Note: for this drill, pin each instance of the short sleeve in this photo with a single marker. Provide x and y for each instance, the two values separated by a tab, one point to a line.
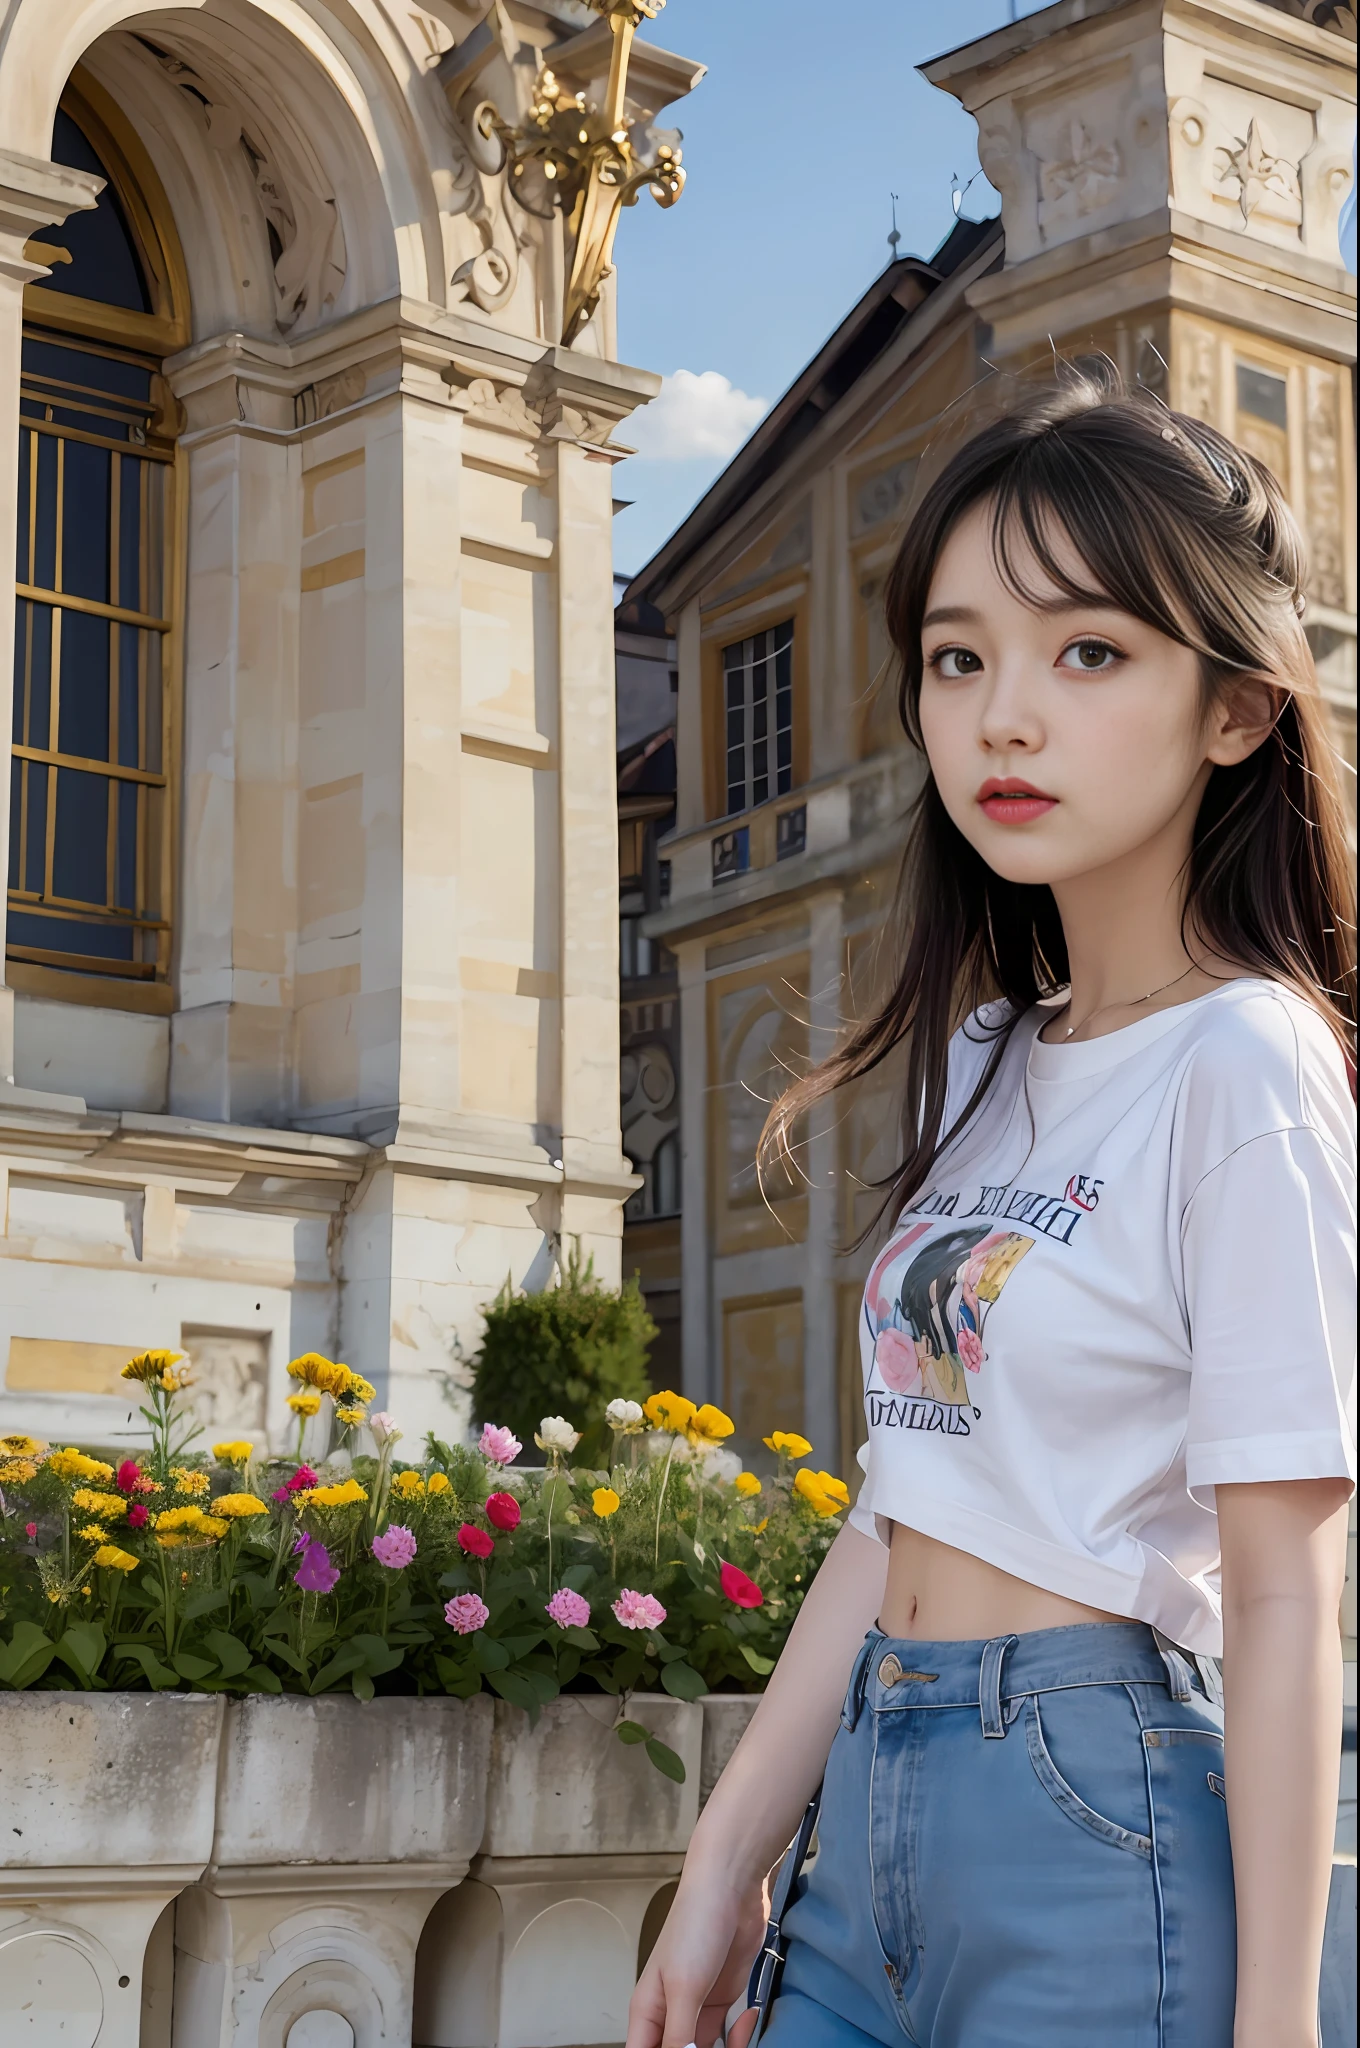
1268	1243
862	1516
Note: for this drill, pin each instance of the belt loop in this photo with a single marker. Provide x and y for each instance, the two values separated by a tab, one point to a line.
854	1698
1180	1677
989	1684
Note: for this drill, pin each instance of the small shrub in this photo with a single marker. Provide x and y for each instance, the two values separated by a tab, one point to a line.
568	1351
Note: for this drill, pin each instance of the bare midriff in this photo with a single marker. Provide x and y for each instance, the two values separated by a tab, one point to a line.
941	1595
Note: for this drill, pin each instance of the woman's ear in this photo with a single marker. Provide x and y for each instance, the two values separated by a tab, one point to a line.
1243	716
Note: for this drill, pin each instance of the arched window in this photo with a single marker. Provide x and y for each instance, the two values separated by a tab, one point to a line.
89	875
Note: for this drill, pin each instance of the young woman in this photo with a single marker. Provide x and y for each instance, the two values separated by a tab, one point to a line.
1108	1347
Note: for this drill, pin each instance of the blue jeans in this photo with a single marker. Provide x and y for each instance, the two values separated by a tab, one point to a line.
1023	1844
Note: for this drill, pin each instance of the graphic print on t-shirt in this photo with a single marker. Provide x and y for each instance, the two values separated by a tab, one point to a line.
926	1305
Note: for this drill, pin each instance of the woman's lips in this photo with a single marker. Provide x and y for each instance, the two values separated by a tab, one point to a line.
1013	803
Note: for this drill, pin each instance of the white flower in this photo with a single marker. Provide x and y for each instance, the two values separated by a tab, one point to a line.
625	1416
555	1433
720	1464
384	1427
660	1445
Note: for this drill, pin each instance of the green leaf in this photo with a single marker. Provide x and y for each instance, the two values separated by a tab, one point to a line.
206	1601
379	1657
158	1675
82	1649
513	1686
28	1655
351	1658
230	1652
289	1656
631	1732
763	1666
488	1655
263	1679
583	1638
361	1685
683	1682
192	1668
666	1760
459	1679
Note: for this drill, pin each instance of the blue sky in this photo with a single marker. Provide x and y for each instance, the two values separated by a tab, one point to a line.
808	119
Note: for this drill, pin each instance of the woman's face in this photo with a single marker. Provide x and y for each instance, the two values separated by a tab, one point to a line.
1061	740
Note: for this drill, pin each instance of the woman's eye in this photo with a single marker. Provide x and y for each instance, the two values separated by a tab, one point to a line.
956	661
1089	655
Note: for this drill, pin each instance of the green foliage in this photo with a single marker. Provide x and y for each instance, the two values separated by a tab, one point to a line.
568	1351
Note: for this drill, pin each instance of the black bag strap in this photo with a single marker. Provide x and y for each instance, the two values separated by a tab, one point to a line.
769	1964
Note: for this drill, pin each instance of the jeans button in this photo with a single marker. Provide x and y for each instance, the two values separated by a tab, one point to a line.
889	1669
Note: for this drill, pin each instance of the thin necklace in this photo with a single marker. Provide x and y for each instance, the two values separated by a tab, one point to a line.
1135	1004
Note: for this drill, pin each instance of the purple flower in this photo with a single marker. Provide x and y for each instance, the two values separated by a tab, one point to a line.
395	1547
466	1612
501	1446
316	1573
638	1610
568	1609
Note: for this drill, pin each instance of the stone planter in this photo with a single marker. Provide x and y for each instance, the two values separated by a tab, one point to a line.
339	1825
108	1813
539	1948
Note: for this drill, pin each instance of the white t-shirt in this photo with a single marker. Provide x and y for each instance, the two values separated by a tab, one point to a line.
1129	1280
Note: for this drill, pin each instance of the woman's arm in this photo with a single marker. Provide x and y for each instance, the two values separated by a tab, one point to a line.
1284	1562
699	1965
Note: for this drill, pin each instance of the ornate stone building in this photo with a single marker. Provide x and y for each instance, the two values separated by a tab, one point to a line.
309	1026
1171	174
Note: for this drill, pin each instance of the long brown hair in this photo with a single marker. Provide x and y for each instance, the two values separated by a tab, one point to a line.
1187	532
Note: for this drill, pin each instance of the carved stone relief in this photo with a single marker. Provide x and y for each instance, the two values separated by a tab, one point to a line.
329	395
1198	372
1252	171
1087	175
885	496
502	406
1325	516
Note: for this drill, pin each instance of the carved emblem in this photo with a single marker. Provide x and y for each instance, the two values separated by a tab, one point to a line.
1266	182
1090	173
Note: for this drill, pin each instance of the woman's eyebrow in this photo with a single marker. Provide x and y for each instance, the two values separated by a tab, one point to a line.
950	615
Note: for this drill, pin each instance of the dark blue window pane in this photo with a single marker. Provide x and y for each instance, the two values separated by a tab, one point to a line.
16	768
104	263
69	935
35	825
125	846
131	479
83	719
85	522
45	553
21	525
80	860
49	360
129	638
32	657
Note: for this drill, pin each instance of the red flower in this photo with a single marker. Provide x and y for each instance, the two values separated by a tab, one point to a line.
127	1475
502	1511
302	1478
138	1516
475	1541
740	1590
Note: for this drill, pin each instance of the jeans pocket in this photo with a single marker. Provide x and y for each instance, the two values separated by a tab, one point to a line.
1069	1801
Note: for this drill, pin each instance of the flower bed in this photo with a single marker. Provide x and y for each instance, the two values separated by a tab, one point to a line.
235	1572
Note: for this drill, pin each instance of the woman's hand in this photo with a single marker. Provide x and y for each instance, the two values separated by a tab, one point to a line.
699	1967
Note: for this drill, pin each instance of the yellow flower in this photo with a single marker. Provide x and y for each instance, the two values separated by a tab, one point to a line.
110	1507
353	1418
708	1425
410	1485
669	1411
155	1368
347	1494
747	1485
788	1444
763	1523
17	1471
238	1506
323	1373
210	1526
439	1482
115	1560
304	1404
605	1502
92	1533
170	1542
234	1453
823	1494
179	1518
360	1389
21	1446
71	1464
187	1481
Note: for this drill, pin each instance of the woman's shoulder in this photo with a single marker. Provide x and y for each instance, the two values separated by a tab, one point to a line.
1258	1057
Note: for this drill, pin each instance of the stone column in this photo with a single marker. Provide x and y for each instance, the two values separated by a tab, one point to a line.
701	1354
826	949
34	194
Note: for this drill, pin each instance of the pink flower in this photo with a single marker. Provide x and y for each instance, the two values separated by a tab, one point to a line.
301	1479
476	1542
568	1609
395	1548
503	1511
501	1446
638	1610
970	1349
316	1573
127	1475
466	1613
740	1590
31	1528
138	1516
895	1357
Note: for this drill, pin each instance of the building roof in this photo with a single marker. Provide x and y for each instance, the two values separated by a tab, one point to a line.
861	338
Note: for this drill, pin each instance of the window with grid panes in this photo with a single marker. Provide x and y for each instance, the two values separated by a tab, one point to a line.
758	710
88	809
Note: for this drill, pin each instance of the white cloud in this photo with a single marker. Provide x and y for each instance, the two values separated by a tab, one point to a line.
695	415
